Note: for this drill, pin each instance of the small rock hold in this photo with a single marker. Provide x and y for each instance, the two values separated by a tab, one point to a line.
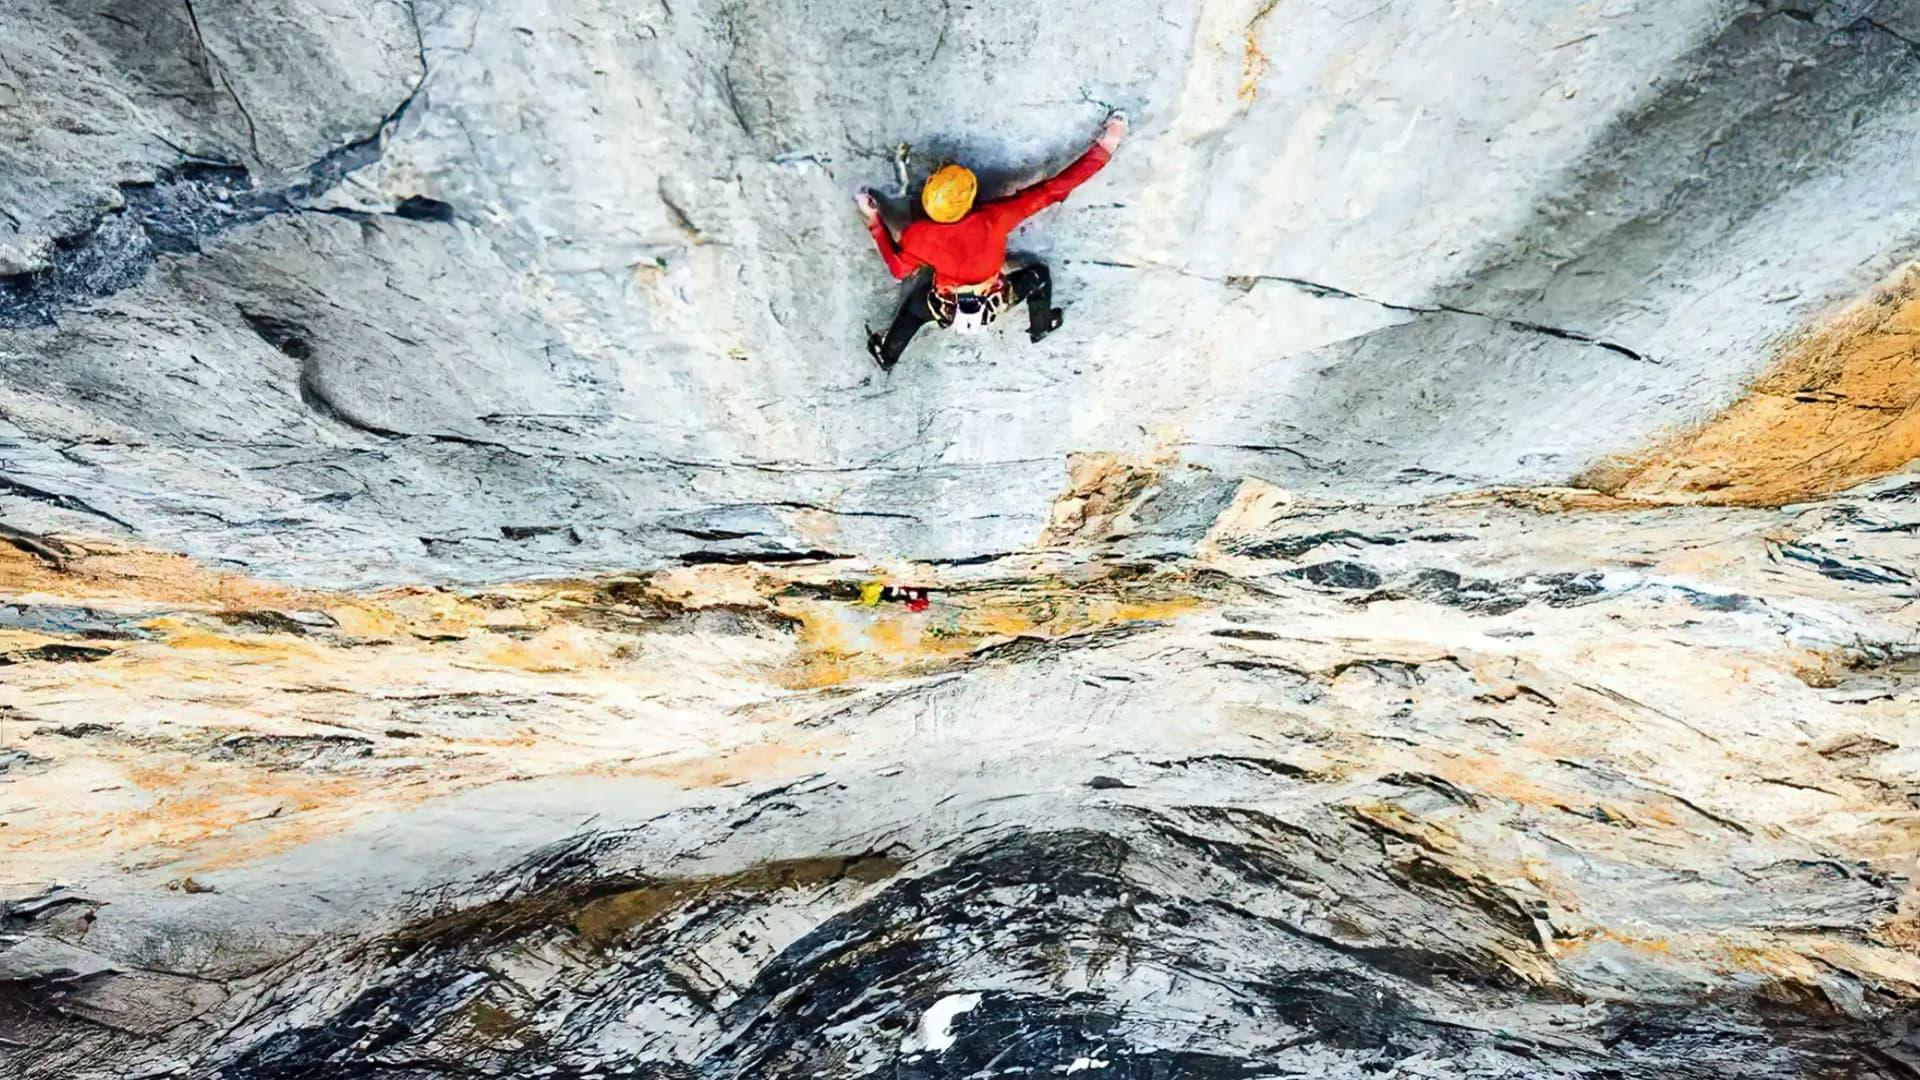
421	208
297	623
1337	575
55	654
15	761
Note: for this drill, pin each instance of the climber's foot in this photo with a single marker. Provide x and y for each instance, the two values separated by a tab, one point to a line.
877	348
1054	319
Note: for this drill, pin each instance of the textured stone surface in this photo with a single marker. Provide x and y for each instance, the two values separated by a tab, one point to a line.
438	472
622	294
1474	788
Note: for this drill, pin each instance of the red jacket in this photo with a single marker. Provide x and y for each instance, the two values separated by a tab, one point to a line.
971	251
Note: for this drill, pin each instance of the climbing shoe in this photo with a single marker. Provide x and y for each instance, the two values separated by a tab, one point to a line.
1054	319
877	348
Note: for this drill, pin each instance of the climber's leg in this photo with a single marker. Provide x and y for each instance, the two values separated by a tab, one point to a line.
1034	285
915	312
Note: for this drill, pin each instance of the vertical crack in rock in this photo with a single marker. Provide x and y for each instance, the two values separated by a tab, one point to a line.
217	71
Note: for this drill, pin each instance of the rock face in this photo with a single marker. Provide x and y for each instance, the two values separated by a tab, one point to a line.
1444	605
343	290
1468	789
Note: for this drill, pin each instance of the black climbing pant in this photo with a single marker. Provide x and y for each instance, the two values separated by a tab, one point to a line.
1034	284
916	311
1030	284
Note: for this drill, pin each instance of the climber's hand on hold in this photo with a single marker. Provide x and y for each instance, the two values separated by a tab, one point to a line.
1112	132
869	206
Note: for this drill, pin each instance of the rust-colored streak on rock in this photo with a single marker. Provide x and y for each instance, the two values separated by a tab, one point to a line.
1101	489
604	921
243	718
1841	407
1254	59
105	570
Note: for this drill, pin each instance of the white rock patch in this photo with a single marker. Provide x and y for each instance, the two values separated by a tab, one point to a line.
936	1025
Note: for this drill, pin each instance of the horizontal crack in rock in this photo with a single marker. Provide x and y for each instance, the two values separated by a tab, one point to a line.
10	486
1323	291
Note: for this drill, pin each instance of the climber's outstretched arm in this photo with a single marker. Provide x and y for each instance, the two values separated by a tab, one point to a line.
899	263
1022	205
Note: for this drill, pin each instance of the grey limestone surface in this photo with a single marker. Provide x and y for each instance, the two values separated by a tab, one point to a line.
357	293
341	290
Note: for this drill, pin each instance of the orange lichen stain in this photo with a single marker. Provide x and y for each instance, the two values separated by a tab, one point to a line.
444	613
1798	965
117	577
1254	61
189	805
604	921
15	640
768	759
1842	406
1485	774
215	662
367	620
1741	958
1652	946
1431	833
550	651
304	824
495	1025
841	641
1256	506
1547	500
1900	932
1724	956
751	762
105	570
178	634
709	585
1101	488
524	739
1819	670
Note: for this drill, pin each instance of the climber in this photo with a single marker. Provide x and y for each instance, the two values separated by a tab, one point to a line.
966	247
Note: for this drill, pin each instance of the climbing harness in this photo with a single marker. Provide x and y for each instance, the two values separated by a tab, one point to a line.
971	309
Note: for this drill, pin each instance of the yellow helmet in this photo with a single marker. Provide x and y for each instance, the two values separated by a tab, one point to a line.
949	193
